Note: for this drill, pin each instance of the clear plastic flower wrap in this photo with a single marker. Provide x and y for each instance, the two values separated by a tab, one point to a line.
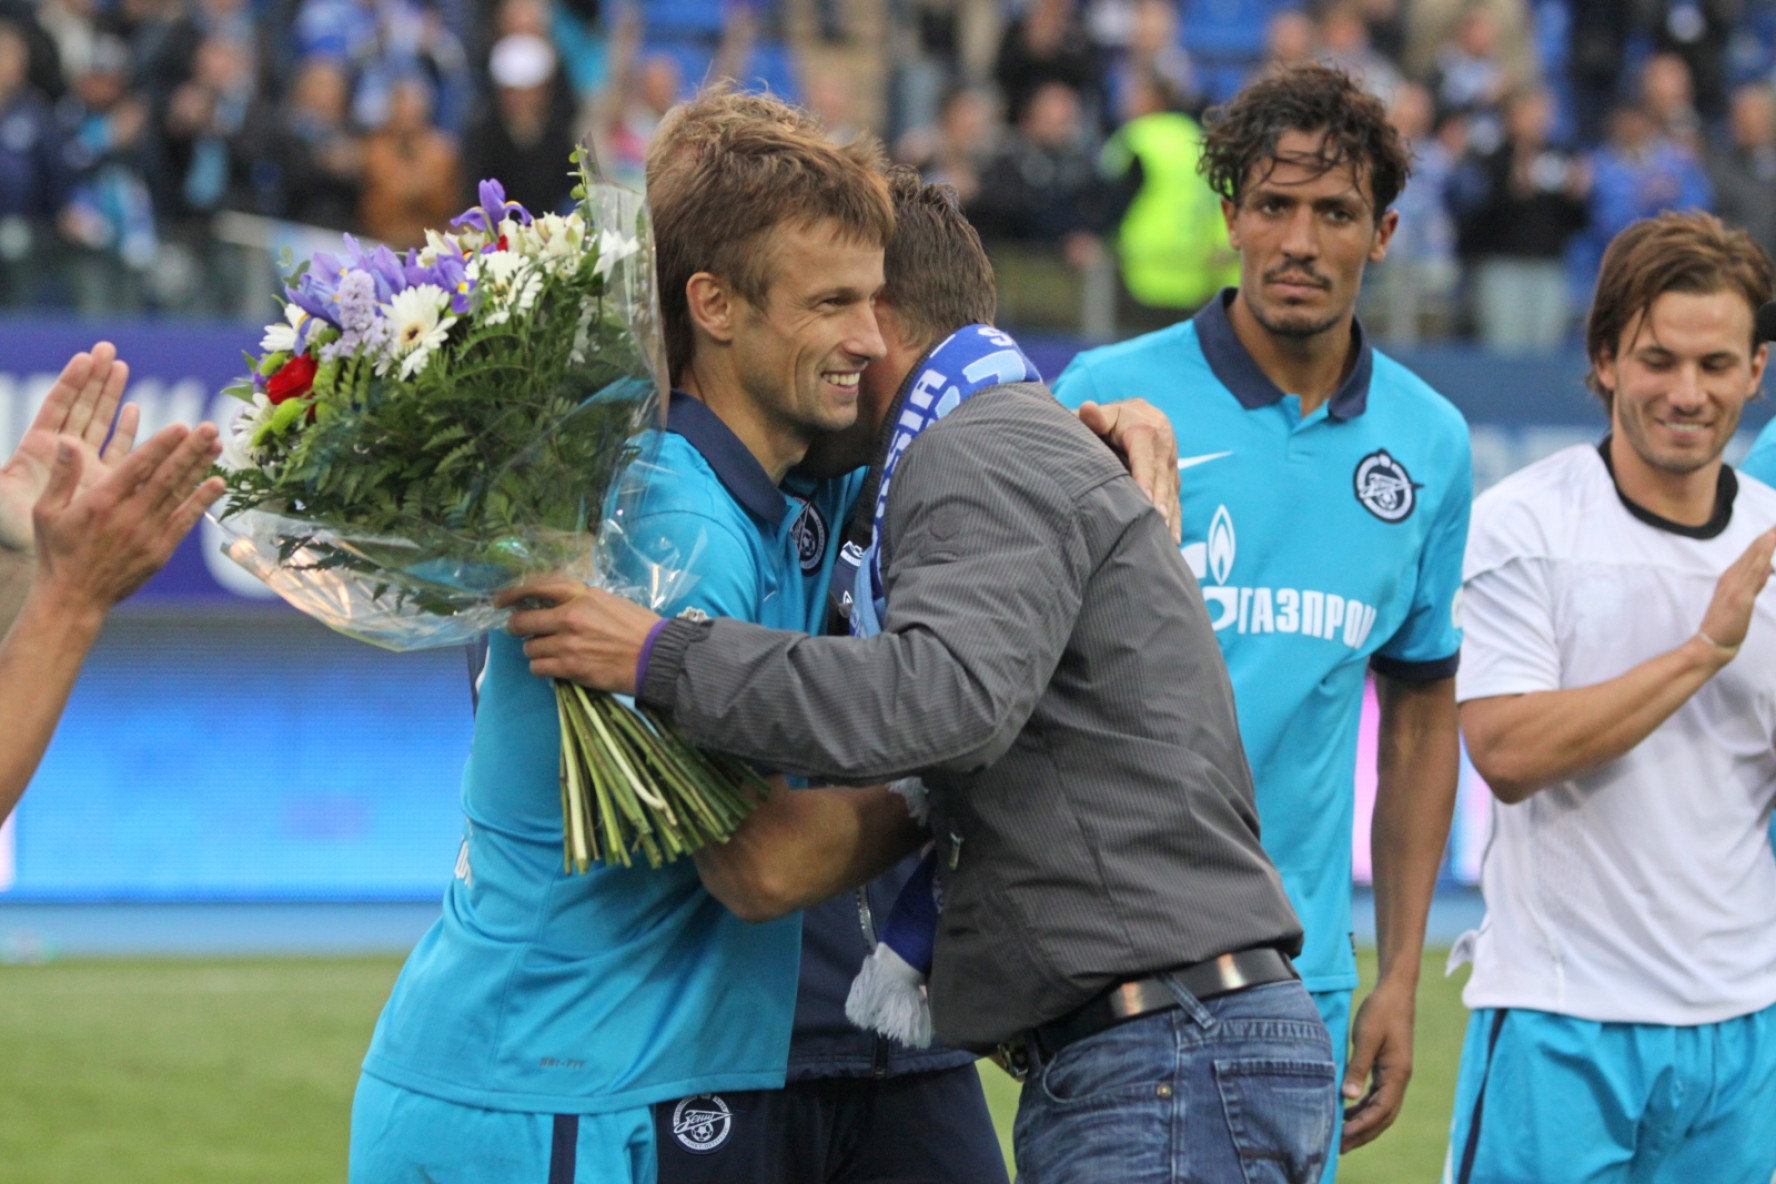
425	430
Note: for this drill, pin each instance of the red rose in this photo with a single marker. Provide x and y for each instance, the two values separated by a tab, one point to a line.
503	244
293	379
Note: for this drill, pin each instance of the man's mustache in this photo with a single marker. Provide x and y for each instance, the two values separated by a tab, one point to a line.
1297	275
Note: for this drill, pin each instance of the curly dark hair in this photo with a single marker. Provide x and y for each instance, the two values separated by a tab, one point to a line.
1241	135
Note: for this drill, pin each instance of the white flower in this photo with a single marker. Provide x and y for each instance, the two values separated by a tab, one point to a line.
281	339
508	283
612	249
519	239
416	328
237	448
560	241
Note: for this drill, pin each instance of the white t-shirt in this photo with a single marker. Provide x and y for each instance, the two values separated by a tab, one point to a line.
1645	890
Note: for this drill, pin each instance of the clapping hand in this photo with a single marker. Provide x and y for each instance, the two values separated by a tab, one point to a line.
97	545
78	411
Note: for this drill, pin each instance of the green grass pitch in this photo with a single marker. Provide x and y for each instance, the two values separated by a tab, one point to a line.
227	1072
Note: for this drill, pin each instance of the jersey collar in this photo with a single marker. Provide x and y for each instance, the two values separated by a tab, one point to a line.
1236	370
1725	490
735	467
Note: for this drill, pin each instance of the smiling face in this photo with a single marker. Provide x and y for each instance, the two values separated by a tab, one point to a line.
798	354
1304	234
1680	378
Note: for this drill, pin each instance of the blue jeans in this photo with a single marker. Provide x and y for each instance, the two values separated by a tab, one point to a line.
1240	1088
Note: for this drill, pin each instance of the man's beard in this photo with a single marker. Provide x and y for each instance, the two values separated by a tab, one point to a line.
1635	429
1298	331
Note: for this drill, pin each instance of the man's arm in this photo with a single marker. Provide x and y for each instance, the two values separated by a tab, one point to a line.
987	571
93	549
79	410
1417	769
1521	744
803	846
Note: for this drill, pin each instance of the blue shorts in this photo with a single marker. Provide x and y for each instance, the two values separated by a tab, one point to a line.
1335	1009
402	1137
1542	1096
930	1127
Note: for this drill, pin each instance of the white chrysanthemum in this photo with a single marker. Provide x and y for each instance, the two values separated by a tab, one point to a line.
612	249
416	327
281	339
237	448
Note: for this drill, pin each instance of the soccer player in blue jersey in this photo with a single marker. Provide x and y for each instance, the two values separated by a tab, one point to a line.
1325	491
538	1021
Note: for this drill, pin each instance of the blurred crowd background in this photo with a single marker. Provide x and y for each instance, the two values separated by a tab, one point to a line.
154	152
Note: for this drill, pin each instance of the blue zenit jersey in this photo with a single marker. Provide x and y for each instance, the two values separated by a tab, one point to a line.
1760	462
545	991
1324	545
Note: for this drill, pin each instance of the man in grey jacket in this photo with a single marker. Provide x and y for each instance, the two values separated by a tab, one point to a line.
1046	665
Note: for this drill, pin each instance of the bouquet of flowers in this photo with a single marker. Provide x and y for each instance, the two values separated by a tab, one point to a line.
423	430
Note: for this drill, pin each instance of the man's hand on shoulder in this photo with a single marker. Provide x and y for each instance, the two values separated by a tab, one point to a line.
584	635
1143	437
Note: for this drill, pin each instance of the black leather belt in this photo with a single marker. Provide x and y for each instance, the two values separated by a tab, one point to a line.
1145	996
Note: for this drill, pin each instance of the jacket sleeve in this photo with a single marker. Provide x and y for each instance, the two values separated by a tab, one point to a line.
984	574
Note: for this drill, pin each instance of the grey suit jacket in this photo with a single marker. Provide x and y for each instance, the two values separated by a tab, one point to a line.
1048	667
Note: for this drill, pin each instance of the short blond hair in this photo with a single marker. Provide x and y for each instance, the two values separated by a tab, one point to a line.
724	170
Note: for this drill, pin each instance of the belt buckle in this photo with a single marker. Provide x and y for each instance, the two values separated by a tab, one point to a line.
1014	1057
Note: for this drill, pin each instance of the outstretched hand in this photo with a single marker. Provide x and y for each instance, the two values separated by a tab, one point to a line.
580	634
78	412
1729	613
1142	436
97	545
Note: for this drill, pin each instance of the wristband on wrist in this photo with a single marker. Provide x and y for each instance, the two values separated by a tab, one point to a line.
647	648
1728	650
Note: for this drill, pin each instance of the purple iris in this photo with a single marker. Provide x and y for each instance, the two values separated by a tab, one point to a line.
381	263
493	209
450	272
313	293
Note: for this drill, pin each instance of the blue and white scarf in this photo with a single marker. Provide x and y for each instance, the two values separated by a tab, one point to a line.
888	995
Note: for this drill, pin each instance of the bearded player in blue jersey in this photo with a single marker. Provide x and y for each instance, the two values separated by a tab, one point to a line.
1325	491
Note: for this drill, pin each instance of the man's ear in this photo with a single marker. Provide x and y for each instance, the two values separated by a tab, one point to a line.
711	306
1604	367
1228	210
1384	234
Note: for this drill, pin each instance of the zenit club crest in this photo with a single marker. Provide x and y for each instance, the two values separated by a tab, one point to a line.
1384	487
809	533
702	1124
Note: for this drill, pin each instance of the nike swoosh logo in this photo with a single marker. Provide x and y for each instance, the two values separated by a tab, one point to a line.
1185	462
